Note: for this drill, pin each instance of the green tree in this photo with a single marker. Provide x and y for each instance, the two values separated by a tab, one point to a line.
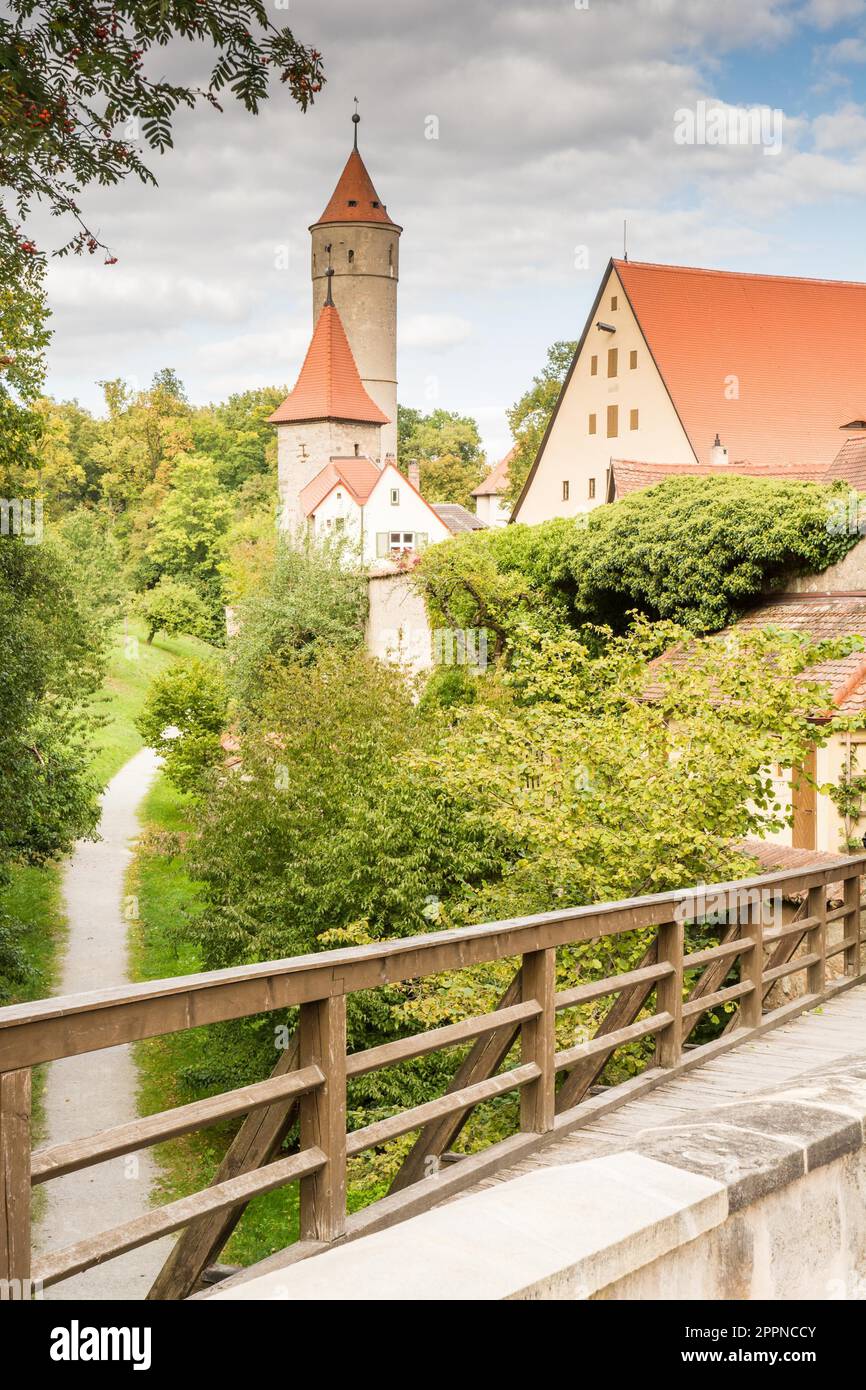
188	531
312	601
173	606
448	448
77	87
694	550
24	337
236	434
52	659
528	418
183	717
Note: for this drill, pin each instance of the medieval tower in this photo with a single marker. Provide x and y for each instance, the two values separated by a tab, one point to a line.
344	403
357	239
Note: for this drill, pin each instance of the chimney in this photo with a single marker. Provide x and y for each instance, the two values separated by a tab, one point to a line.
718	453
413	473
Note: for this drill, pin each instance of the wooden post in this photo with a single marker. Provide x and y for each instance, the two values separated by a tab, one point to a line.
322	1036
751	1008
14	1182
816	940
851	924
538	1041
669	994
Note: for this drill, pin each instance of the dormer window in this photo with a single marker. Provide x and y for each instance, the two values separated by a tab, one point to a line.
375	202
353	202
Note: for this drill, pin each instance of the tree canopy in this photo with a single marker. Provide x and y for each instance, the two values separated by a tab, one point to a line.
693	550
528	417
78	94
448	448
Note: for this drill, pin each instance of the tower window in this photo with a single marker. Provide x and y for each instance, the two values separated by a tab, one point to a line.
632	358
592	424
592	487
375	202
612	421
612	360
565	489
633	420
351	257
353	202
395	497
593	365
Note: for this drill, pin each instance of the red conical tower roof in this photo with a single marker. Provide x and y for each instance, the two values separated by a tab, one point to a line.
328	386
355	199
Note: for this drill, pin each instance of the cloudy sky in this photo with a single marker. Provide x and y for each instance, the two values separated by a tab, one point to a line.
556	121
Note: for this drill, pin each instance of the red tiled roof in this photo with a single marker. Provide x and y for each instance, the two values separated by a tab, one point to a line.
797	347
328	386
823	617
494	484
355	199
632	475
358	475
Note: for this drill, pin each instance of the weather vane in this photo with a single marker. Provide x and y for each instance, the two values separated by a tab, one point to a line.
356	121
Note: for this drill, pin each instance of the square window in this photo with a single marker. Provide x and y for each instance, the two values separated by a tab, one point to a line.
632	358
395	497
565	490
593	365
633	420
592	424
612	360
612	421
592	487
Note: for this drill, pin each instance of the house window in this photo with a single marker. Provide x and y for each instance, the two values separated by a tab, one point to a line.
592	487
614	302
401	541
565	490
612	421
593	365
592	424
395	497
633	419
340	523
612	359
632	358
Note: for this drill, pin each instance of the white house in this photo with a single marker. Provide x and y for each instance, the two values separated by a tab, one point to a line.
490	504
373	505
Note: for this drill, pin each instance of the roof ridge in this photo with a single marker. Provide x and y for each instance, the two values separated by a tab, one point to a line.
735	274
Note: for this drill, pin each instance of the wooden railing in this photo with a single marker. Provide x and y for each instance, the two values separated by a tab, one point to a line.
309	1080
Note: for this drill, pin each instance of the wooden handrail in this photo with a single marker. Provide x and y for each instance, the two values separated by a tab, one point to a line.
310	1078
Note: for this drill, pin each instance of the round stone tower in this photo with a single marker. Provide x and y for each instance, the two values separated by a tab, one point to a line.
356	238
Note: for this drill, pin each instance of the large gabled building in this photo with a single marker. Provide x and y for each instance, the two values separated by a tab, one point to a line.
687	370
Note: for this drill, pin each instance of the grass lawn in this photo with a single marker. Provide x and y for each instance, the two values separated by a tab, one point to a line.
34	896
166	894
132	666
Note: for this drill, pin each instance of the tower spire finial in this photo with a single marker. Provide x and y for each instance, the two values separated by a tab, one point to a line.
356	121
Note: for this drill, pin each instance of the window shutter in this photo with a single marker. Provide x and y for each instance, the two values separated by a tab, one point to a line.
422	538
382	548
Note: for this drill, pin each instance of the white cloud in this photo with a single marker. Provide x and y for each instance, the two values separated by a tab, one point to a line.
435	332
824	14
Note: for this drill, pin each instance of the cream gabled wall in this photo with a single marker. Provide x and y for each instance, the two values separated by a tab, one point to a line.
571	453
